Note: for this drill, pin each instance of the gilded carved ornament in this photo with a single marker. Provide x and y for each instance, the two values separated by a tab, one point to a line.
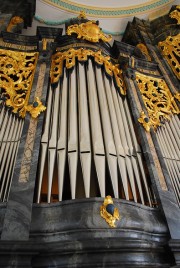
13	22
89	31
16	77
109	212
177	96
144	50
171	50
36	108
175	14
82	15
44	43
81	54
158	100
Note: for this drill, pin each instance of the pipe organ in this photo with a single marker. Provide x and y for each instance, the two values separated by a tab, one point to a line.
89	145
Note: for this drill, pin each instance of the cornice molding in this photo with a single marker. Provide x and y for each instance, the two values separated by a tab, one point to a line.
108	12
60	22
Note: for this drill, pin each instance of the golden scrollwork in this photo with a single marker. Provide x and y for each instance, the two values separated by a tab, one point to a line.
81	54
16	76
109	212
13	22
158	100
144	51
176	14
171	50
89	31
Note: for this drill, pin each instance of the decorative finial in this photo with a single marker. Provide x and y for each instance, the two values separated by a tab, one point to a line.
109	212
82	15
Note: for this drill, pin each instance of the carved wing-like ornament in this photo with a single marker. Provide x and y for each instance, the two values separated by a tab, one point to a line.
89	31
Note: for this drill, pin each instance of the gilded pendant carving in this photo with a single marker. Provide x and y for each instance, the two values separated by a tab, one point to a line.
109	212
36	108
171	50
81	54
89	31
144	120
16	76
175	14
158	100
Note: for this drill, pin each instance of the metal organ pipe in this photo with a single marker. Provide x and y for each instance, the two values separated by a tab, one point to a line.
62	135
96	129
44	143
73	131
84	129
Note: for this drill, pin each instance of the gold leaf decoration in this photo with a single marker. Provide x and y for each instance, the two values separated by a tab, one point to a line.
82	15
144	120
13	22
81	54
36	108
177	96
144	51
88	31
109	212
16	76
158	100
171	50
175	14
